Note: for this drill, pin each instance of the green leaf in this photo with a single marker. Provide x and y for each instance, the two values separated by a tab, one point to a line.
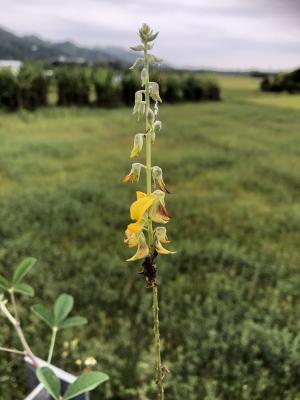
24	289
4	284
50	381
62	308
85	383
73	321
23	269
44	314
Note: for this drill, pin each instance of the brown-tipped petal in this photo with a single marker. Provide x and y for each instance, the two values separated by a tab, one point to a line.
161	185
164	212
161	250
127	179
160	233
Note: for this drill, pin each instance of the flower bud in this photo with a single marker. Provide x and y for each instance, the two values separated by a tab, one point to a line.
158	179
150	116
134	174
157	126
139	61
144	76
154	91
139	47
154	59
160	233
152	37
137	144
146	33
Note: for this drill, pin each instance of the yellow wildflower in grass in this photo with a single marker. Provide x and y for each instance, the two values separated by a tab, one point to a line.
64	354
78	362
74	343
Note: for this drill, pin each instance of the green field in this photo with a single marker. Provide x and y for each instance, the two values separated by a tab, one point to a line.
229	297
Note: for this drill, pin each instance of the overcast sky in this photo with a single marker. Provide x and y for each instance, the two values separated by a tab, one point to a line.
232	34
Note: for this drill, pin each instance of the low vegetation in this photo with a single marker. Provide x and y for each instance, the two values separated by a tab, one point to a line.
282	82
230	297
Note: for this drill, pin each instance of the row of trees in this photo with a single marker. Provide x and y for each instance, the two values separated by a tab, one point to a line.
282	82
31	87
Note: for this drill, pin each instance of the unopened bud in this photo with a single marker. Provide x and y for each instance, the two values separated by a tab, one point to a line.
150	117
154	91
139	47
137	144
154	59
137	63
144	76
157	125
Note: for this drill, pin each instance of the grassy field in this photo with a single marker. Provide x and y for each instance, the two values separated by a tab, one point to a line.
229	297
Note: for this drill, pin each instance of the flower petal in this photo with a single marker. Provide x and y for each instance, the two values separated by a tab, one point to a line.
140	206
161	250
142	250
135	227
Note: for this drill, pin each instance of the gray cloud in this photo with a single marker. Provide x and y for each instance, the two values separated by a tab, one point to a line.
235	34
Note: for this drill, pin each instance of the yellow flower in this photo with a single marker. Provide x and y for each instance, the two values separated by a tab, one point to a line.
64	354
158	212
90	361
134	174
142	248
160	234
74	343
78	362
141	205
137	144
158	179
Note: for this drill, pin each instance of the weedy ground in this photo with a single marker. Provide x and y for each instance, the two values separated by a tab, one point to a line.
230	296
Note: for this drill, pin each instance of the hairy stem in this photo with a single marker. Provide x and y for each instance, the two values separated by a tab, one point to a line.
14	351
16	324
158	367
52	344
14	303
159	377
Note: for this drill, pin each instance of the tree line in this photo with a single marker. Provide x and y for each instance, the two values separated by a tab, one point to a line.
32	86
282	82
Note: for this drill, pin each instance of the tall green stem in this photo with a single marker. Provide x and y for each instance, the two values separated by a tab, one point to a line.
158	366
52	344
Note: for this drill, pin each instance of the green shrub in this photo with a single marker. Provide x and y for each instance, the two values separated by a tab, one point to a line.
282	82
171	88
73	86
211	89
108	87
192	88
33	86
130	84
8	90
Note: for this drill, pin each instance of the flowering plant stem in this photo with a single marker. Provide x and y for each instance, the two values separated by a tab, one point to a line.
158	366
14	320
52	344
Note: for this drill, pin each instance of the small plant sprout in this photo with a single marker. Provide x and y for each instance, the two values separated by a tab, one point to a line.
57	320
149	207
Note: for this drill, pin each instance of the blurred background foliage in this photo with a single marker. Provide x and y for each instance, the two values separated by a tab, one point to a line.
229	297
35	86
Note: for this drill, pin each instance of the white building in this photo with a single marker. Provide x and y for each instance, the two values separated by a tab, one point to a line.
13	65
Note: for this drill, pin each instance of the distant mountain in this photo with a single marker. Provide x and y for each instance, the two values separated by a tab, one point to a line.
13	47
